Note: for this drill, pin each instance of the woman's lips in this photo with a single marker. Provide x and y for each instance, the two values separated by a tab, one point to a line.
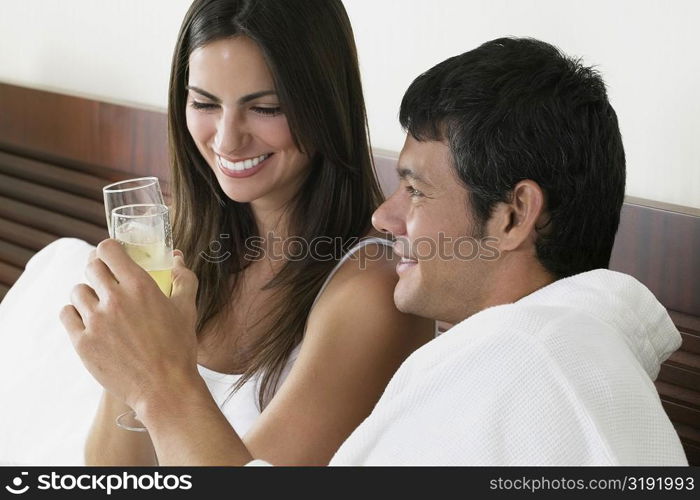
238	174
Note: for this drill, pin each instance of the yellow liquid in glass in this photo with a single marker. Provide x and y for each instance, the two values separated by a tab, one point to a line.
157	260
164	280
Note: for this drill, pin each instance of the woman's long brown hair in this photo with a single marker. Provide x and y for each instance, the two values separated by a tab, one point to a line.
310	50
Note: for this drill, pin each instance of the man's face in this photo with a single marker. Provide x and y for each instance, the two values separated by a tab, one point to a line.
440	275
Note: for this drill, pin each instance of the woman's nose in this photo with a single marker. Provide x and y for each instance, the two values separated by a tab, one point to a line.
231	134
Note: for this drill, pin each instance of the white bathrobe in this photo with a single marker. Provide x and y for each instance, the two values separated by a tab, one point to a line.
561	377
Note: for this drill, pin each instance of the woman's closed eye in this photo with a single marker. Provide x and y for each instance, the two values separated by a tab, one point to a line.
260	110
267	110
203	105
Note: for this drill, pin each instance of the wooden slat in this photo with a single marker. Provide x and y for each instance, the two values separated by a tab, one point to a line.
691	343
24	236
690	439
688	434
679	395
13	254
689	326
679	375
93	136
9	273
3	291
52	199
686	322
52	222
59	178
687	360
681	413
692	453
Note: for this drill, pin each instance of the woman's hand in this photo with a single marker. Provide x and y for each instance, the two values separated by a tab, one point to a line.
134	340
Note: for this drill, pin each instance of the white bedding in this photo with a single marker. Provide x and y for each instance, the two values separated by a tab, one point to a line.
48	397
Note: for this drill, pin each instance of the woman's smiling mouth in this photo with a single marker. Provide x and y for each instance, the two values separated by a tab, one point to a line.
242	168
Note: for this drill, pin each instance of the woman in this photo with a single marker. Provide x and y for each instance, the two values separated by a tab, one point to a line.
269	141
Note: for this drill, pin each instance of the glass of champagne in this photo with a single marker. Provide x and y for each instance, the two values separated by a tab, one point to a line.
142	190
144	231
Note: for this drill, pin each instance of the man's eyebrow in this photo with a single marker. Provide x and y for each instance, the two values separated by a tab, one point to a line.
243	100
407	173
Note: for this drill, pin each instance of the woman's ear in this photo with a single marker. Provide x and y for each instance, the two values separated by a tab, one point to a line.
515	222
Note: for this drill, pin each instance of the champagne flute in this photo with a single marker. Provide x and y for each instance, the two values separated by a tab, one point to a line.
144	231
142	190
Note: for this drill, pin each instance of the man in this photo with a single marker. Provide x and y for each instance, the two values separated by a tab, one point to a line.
512	149
517	143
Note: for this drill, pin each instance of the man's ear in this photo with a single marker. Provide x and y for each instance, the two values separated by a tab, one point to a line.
514	223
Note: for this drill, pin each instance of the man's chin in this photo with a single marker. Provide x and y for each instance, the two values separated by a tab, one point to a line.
410	301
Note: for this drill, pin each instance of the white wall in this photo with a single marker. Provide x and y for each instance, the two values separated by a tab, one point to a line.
646	50
118	50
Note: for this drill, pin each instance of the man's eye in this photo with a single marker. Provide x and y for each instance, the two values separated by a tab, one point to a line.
267	111
202	105
413	192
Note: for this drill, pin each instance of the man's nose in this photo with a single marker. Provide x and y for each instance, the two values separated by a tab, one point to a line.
389	217
231	134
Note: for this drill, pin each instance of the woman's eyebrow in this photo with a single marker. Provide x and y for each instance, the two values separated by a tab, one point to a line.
255	95
242	100
204	93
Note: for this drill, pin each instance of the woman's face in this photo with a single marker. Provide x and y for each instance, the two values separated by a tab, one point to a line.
236	120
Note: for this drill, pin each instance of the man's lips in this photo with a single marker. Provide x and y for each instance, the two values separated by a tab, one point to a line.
401	255
405	263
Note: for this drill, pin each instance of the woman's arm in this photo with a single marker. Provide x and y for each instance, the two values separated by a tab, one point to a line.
108	444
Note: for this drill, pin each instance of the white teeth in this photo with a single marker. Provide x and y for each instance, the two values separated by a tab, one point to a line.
242	165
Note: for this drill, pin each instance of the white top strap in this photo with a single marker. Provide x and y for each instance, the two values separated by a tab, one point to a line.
361	244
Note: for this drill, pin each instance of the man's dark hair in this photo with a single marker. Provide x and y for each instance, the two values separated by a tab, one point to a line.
516	109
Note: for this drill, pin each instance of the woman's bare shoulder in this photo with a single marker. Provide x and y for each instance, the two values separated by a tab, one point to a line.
363	287
370	268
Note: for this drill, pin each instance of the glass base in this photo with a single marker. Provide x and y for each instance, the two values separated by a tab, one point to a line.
129	422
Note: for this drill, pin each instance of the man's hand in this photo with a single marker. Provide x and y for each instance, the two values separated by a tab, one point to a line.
134	340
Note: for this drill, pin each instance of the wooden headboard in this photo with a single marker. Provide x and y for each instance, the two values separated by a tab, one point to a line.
659	244
57	151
